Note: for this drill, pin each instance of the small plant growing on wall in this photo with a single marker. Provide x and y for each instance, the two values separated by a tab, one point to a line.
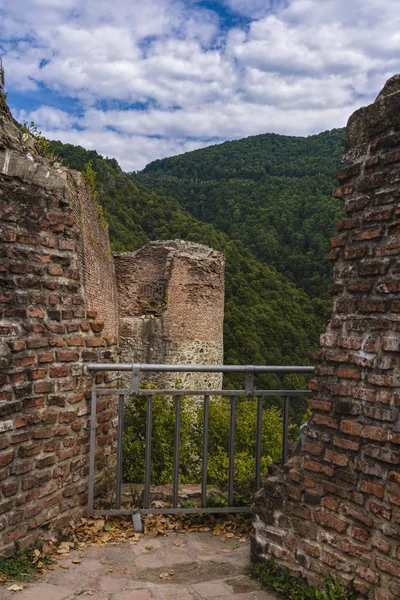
89	175
3	93
41	143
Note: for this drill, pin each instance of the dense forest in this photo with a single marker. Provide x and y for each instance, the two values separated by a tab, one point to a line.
264	201
270	192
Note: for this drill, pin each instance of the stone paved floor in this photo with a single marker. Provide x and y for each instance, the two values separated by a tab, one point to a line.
198	566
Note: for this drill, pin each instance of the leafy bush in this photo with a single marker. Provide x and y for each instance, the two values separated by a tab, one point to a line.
274	577
192	443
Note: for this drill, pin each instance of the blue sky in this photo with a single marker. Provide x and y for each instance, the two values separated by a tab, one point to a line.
143	80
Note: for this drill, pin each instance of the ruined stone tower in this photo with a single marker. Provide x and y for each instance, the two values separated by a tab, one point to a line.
171	302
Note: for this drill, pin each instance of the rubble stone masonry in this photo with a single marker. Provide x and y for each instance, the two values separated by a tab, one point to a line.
336	506
58	310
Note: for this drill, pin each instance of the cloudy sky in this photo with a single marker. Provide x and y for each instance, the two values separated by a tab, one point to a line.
144	79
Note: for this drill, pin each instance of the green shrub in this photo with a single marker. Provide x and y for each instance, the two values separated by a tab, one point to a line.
192	442
274	577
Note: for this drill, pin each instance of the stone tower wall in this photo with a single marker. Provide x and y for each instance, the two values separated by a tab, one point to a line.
57	312
171	297
336	507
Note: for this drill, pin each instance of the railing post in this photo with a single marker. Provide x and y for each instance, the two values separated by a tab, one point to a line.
175	488
121	406
231	450
92	451
205	453
147	474
285	429
259	442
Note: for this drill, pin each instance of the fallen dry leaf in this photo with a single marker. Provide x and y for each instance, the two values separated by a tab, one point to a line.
15	588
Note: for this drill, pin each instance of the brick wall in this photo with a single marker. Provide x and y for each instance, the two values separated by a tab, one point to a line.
171	297
57	311
336	507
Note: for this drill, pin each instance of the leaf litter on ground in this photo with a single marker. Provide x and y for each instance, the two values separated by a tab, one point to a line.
99	531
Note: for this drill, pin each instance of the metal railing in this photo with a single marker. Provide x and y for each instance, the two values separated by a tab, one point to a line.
134	390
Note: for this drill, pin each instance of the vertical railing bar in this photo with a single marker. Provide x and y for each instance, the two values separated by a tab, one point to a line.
231	450
147	474
285	429
175	490
259	441
92	451
119	451
205	453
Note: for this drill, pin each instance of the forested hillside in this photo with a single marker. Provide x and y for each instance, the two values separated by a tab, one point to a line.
261	221
270	192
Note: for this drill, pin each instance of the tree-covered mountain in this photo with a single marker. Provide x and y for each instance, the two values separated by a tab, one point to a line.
270	192
258	222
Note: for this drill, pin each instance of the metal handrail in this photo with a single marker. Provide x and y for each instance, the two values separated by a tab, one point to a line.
180	368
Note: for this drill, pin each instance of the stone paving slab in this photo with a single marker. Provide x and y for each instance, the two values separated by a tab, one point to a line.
199	566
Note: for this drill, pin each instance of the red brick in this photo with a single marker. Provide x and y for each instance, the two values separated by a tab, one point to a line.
330	521
317	467
375	489
351	427
388	566
375	433
342	460
95	342
55	270
45	357
67	355
330	503
10	488
16	345
37	374
379	509
320	405
343	191
360	534
325	420
26	361
346	444
59	371
299	511
75	341
349	373
311	448
43	387
37	313
6	458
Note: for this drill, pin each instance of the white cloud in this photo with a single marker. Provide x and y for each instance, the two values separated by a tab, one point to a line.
299	67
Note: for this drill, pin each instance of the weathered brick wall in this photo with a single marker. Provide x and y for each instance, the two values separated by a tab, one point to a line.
171	297
54	273
336	507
